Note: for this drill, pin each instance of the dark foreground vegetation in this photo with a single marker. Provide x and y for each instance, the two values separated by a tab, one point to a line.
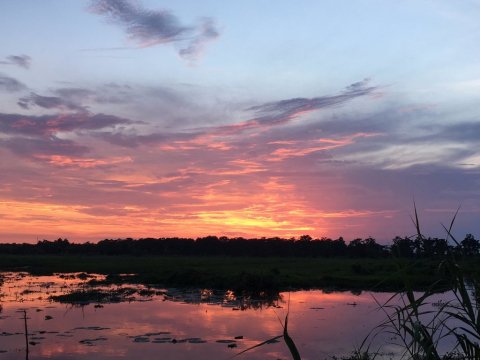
268	264
416	324
242	273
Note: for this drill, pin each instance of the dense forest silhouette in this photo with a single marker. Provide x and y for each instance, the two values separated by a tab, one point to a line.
304	246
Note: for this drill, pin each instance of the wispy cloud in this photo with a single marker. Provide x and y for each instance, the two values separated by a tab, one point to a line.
52	124
266	117
152	27
207	32
132	139
327	175
284	111
303	148
74	93
34	147
465	131
23	61
10	84
75	98
104	94
49	102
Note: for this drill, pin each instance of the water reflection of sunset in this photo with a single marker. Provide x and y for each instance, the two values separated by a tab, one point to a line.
322	324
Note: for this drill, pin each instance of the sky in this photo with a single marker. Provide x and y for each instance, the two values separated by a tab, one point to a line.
150	118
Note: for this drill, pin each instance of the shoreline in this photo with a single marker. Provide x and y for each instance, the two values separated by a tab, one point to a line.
246	273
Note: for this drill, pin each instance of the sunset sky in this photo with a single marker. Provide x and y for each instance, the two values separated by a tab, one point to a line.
240	118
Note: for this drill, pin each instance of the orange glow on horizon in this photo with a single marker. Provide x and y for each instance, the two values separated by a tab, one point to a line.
208	184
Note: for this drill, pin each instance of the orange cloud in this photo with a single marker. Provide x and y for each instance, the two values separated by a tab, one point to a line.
307	147
61	160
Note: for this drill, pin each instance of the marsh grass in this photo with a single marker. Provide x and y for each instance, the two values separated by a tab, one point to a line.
237	273
26	333
419	324
419	327
286	338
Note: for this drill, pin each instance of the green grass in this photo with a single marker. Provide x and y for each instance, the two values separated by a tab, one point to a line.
242	273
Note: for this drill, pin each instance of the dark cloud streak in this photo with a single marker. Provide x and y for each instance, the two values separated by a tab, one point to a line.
208	33
132	140
296	105
10	84
153	27
28	147
23	61
283	111
51	124
49	102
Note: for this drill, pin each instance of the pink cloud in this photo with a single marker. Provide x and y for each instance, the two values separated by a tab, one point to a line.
60	160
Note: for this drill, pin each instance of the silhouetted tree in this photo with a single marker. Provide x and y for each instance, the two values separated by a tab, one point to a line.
403	247
305	246
365	248
433	247
470	246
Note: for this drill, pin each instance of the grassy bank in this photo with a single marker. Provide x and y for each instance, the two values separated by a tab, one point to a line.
243	273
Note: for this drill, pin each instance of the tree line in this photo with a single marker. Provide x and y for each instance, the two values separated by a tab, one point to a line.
304	246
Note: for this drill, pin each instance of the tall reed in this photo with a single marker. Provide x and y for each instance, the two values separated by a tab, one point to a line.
421	328
286	337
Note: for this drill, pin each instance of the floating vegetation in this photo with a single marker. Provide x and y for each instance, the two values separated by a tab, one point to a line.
37	337
113	279
84	276
94	328
92	342
196	341
162	340
225	341
189	340
141	339
27	291
4	333
157	333
87	296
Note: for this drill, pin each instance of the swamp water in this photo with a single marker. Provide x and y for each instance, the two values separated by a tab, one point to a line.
135	322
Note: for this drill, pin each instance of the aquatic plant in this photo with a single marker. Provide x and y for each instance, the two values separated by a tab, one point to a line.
26	333
286	338
421	327
87	296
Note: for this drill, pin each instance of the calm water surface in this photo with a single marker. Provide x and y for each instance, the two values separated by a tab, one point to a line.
174	324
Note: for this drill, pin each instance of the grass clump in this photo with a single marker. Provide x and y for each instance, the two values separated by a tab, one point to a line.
422	325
